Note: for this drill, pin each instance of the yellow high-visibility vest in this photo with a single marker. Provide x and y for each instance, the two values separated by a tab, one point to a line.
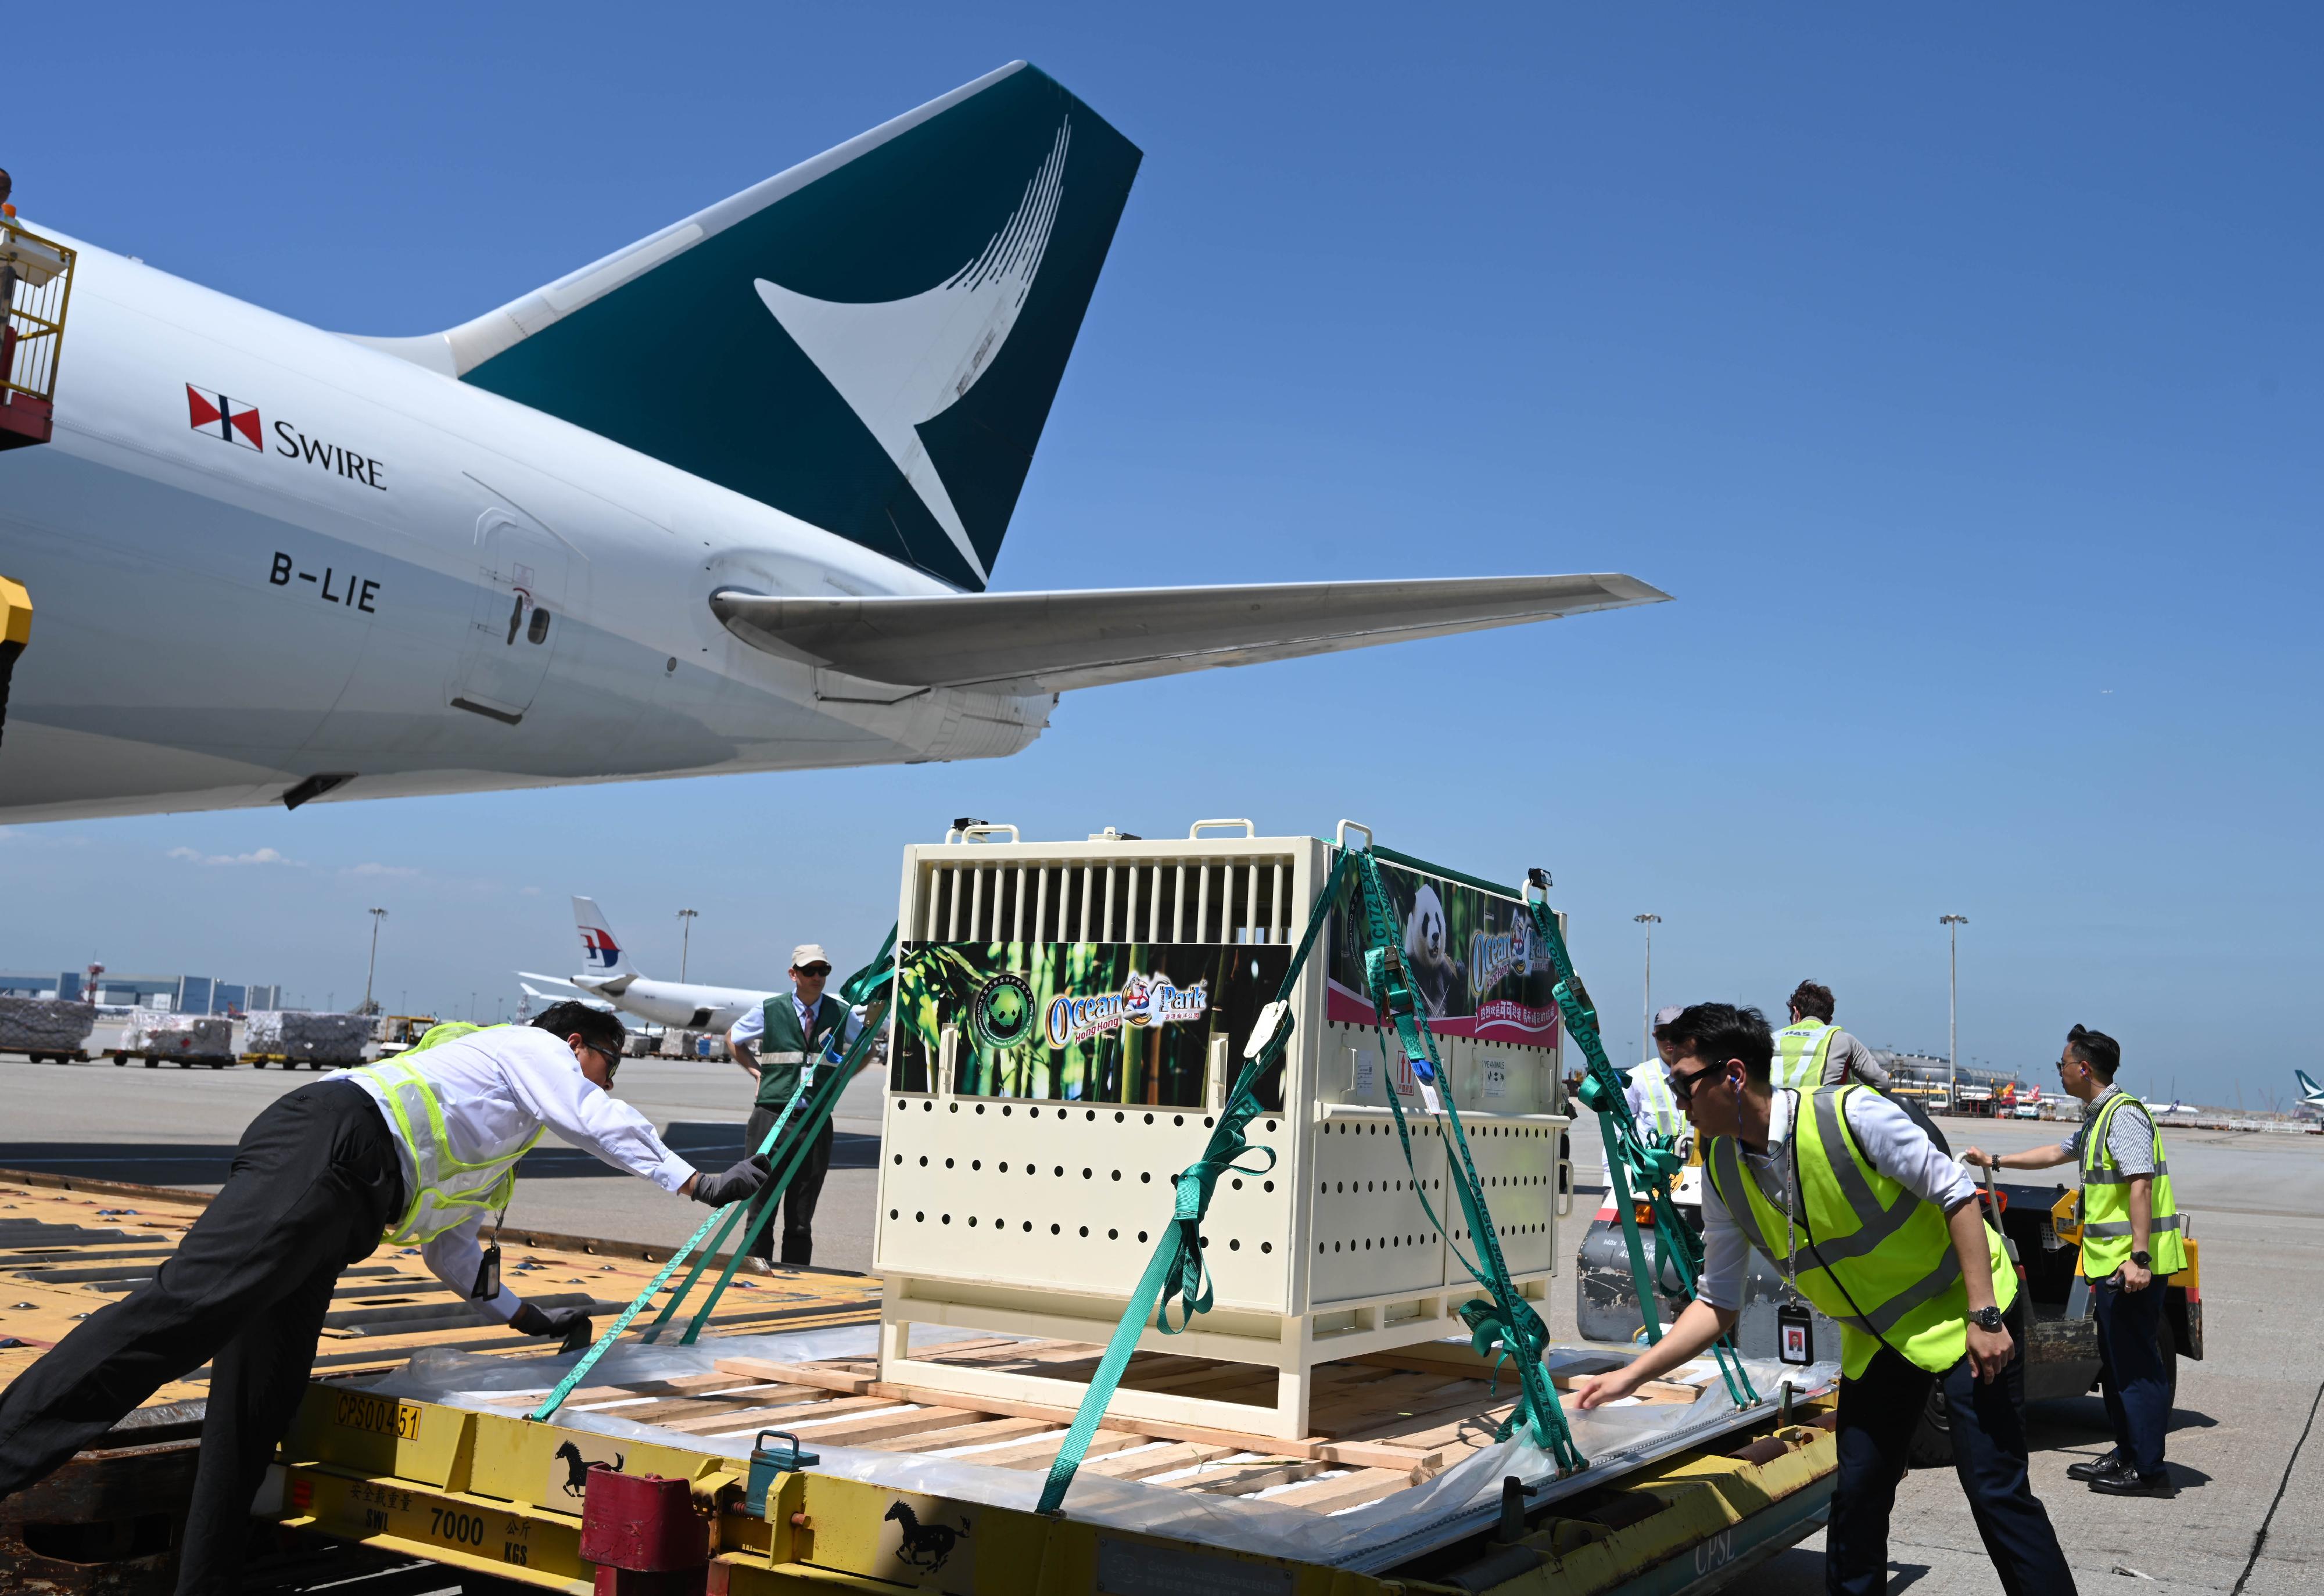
1658	1109
2106	1204
1863	1248
446	1191
1800	1053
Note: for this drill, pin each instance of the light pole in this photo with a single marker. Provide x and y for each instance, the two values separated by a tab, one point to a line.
378	915
1953	923
1647	1000
685	936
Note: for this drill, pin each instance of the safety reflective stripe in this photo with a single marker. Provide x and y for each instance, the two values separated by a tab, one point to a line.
2117	1178
2112	1228
1725	1167
784	1057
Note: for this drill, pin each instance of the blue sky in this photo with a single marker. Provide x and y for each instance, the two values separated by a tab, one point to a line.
1959	375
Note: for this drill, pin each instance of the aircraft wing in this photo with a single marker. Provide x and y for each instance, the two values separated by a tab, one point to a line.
1052	643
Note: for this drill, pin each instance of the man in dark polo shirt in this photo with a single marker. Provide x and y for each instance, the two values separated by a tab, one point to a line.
771	1043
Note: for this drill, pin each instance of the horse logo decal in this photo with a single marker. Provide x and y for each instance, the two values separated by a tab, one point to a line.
926	1547
576	1468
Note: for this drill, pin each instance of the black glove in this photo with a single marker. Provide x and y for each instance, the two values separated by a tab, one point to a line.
572	1324
741	1181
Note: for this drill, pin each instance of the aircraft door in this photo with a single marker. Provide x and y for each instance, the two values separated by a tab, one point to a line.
518	620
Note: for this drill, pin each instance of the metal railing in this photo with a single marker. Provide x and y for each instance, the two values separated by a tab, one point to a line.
36	286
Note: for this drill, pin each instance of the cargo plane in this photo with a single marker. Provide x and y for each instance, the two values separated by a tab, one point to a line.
730	498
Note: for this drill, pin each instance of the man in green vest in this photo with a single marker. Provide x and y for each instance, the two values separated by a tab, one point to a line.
772	1043
1813	1052
1869	1222
2133	1241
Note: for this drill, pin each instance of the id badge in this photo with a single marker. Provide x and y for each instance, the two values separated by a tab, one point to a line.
488	1275
1794	1334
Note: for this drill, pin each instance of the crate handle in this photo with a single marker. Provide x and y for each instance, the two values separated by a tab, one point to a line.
1200	827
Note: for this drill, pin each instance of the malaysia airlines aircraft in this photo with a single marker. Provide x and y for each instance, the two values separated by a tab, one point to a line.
610	978
728	499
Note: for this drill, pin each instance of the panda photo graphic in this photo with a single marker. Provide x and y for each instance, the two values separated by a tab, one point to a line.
1441	979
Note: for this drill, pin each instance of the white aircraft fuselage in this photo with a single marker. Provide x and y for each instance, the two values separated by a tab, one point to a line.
334	602
728	499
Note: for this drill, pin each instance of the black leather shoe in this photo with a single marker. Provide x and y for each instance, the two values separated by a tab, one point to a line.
2105	1463
2123	1483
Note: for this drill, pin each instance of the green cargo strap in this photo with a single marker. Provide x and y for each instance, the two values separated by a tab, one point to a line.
1502	1322
1176	1268
817	1093
1628	1154
857	989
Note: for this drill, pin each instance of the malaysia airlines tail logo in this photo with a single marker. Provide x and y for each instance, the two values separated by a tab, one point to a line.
225	418
597	947
905	362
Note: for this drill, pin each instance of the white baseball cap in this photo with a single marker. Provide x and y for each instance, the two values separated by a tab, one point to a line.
808	952
1664	1014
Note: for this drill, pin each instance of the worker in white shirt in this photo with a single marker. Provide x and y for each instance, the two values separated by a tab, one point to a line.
772	1043
416	1149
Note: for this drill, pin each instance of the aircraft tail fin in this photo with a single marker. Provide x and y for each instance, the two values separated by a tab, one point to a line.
2308	1088
600	953
869	341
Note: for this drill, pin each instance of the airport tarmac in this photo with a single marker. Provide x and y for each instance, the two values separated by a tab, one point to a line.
2249	1517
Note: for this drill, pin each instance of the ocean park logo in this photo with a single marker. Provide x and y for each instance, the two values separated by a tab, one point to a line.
1143	999
1494	955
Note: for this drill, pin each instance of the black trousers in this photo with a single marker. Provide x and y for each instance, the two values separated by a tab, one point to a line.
806	1187
1878	1412
314	1184
2130	1363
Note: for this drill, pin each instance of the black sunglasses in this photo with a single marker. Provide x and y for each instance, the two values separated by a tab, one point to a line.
814	970
1681	1088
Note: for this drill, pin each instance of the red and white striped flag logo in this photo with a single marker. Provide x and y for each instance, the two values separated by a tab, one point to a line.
221	417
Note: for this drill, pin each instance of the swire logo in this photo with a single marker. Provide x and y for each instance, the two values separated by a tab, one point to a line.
224	417
1143	999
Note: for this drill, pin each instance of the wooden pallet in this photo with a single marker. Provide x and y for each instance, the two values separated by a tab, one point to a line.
70	1246
1382	1422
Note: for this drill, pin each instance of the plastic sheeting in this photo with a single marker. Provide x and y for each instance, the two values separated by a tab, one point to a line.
44	1025
1615	1441
306	1037
177	1036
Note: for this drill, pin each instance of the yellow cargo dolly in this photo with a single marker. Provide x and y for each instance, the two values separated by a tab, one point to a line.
492	1494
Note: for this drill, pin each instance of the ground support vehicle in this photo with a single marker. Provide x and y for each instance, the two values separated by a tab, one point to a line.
109	1522
2062	1353
46	1030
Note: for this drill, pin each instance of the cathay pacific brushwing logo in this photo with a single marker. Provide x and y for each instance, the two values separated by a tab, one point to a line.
905	362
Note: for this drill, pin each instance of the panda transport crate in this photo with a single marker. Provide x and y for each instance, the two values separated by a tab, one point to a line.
1069	1020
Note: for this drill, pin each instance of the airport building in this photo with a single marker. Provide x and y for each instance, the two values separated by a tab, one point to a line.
177	994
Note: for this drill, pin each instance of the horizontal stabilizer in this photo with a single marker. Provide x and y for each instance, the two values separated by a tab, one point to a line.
1052	643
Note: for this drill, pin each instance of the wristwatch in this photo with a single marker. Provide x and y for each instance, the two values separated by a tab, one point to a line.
1987	1318
2143	1259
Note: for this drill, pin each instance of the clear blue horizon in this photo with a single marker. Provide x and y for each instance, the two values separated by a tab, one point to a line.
1957	374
